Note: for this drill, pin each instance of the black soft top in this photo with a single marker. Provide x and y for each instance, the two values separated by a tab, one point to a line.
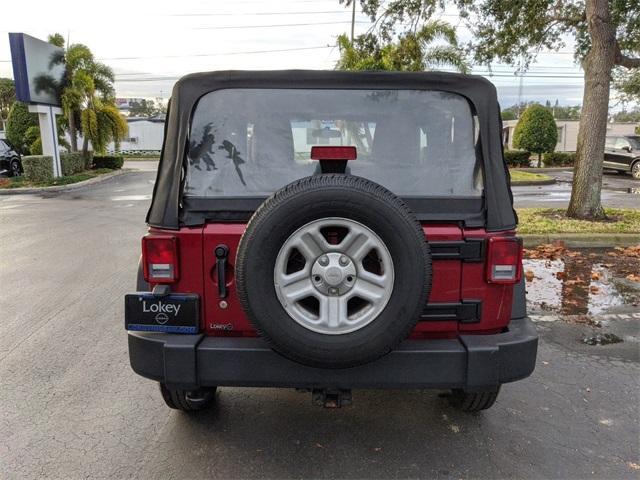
168	211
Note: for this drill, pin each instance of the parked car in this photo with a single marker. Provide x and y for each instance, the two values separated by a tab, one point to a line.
384	256
622	153
10	161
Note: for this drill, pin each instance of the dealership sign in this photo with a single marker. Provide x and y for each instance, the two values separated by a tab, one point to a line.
38	73
38	69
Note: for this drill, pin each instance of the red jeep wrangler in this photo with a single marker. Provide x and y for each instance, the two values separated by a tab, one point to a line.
327	231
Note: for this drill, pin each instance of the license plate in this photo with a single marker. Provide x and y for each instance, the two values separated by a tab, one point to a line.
173	313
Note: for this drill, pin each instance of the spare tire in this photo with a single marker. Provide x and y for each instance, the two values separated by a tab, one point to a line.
333	270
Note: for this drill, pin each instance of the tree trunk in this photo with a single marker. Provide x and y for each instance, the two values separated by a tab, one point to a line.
539	160
85	147
73	132
587	176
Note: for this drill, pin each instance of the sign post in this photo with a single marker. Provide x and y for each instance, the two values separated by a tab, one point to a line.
38	72
49	133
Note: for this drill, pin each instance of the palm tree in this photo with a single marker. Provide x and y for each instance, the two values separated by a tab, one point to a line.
100	119
433	45
87	97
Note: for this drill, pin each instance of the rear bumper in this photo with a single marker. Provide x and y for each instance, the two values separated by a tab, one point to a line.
472	362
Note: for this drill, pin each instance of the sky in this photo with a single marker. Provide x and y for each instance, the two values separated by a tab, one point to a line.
150	44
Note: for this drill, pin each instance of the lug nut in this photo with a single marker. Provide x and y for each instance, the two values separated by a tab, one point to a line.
344	260
323	260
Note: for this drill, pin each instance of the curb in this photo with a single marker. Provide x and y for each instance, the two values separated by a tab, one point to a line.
543	169
63	188
531	183
583	240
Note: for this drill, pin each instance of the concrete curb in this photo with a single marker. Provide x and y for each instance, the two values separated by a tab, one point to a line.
531	183
63	188
543	169
583	240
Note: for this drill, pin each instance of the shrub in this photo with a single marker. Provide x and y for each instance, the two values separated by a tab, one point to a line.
88	159
33	141
536	131
108	161
19	121
559	159
72	163
38	168
517	158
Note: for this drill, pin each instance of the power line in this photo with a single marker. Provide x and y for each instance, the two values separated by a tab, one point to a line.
234	27
251	14
249	52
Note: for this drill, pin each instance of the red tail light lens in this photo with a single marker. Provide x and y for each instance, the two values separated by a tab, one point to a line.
160	258
504	260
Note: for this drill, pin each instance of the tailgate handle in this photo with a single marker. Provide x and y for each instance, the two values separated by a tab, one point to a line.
222	252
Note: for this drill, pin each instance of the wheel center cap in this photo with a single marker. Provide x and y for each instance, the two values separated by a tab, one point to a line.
333	276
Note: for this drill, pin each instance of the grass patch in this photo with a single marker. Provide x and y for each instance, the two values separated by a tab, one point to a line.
520	176
554	220
21	182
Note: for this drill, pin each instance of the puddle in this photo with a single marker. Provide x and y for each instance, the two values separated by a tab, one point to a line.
578	285
129	198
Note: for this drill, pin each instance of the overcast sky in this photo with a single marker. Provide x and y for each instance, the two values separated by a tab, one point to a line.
151	43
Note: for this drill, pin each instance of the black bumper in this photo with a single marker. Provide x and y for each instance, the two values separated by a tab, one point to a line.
472	362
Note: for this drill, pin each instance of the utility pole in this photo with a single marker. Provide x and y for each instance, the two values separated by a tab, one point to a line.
519	73
353	18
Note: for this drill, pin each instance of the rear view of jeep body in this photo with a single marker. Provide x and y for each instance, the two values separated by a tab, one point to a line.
330	231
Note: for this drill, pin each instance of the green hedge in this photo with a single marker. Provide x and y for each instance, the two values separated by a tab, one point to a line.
559	159
72	163
107	161
517	158
88	160
38	168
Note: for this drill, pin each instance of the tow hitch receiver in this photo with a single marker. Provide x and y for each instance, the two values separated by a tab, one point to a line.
331	397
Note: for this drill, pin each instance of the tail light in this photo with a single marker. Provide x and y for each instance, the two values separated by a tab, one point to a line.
504	260
160	258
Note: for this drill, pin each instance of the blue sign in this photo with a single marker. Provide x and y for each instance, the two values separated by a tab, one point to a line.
38	69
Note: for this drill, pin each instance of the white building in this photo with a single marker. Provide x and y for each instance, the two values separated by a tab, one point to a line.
567	133
145	136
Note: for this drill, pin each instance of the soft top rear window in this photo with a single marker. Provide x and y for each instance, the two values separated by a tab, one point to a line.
251	142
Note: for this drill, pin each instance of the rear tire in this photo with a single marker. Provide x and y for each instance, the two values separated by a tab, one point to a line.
14	168
188	401
635	170
471	402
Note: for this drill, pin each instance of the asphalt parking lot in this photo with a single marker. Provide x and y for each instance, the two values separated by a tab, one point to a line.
71	407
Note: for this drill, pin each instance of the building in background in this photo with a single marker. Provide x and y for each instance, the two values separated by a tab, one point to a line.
145	136
567	133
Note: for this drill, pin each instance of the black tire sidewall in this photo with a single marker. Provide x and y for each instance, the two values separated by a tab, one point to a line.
390	220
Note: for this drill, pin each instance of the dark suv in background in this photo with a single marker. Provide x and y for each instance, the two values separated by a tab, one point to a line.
10	162
622	153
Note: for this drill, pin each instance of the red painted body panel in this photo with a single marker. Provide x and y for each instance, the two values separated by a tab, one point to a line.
445	287
453	281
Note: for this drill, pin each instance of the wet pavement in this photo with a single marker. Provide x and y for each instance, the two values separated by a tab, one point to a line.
618	191
586	297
